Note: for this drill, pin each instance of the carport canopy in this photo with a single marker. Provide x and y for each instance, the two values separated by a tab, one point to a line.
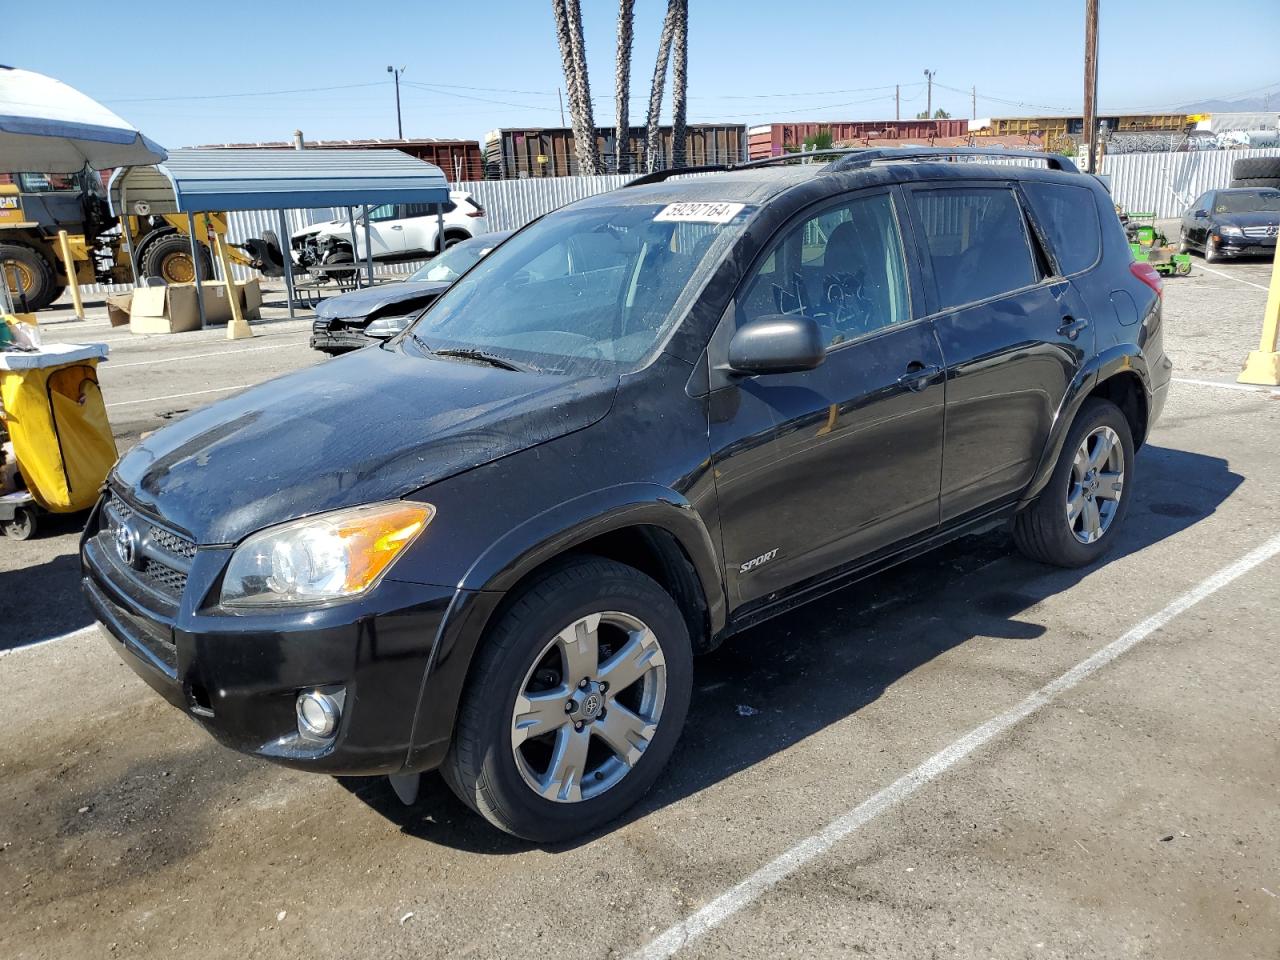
204	181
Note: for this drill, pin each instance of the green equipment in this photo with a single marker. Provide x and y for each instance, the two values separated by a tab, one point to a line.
1151	246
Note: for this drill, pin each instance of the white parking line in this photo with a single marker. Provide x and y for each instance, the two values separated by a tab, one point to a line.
1247	388
180	396
737	898
1230	277
82	632
201	356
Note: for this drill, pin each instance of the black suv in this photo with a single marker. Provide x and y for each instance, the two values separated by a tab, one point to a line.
646	421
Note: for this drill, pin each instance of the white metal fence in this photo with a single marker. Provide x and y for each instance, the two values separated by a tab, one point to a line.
1163	183
1166	183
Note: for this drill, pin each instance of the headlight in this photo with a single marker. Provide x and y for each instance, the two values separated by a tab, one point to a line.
1230	230
389	326
327	557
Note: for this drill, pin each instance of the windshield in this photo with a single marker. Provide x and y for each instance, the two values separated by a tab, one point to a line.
603	284
453	263
1248	201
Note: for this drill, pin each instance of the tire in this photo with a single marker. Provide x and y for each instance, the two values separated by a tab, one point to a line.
36	276
1045	530
340	256
453	239
168	257
1210	252
22	526
495	765
1252	167
1184	245
1257	182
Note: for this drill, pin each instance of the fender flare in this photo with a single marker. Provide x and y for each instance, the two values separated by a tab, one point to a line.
573	522
1122	358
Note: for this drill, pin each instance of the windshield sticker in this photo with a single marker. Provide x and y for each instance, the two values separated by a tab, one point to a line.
698	212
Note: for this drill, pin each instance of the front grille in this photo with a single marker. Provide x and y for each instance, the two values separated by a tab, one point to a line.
164	557
1259	233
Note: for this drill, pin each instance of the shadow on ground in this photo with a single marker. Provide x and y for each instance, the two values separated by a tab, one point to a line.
43	600
813	667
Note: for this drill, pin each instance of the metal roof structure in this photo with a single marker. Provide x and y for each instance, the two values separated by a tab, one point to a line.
201	181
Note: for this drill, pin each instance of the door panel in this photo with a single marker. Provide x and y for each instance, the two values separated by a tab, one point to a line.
1008	370
1012	339
831	464
818	468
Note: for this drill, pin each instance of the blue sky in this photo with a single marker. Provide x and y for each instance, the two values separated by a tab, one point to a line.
474	67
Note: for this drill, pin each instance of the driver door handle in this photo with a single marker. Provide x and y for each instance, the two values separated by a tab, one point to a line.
1072	328
918	375
396	226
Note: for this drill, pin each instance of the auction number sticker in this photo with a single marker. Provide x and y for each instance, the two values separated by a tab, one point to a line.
698	212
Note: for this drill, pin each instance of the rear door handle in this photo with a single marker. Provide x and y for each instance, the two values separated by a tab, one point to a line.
1072	328
397	227
918	375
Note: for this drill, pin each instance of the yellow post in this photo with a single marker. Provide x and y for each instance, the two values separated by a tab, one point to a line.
64	244
1263	365
237	329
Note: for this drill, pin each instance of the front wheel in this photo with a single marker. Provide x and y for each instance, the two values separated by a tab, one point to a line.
1211	254
1074	520
575	703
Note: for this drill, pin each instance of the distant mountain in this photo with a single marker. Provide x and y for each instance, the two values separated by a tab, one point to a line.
1246	105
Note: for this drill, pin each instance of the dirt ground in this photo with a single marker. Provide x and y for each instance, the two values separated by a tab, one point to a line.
1134	814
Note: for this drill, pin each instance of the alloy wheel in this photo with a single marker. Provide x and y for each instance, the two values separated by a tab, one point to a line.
588	707
1096	485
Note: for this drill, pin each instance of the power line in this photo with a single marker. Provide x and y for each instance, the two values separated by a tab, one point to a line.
258	93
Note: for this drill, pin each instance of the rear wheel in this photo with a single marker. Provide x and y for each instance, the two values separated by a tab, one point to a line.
29	275
1074	520
575	702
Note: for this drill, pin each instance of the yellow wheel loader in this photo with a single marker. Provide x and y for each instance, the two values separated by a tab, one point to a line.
35	206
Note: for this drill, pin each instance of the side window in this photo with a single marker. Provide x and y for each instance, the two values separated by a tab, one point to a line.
426	209
844	267
1069	218
977	242
386	211
1203	202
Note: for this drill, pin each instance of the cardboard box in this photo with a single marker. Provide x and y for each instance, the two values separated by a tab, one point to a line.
118	305
173	309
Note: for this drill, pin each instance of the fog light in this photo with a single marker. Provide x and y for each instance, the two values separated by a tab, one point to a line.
318	714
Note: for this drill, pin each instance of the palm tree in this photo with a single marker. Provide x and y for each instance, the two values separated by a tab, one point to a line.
568	17
622	85
679	83
653	142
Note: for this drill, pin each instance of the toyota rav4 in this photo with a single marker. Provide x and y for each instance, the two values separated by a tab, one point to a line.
494	544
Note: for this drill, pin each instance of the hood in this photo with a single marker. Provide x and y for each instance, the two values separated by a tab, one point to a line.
362	303
328	226
373	425
1261	218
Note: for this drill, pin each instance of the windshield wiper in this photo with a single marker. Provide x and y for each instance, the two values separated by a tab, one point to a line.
468	353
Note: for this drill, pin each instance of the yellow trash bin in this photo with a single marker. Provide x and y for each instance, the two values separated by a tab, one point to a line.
56	419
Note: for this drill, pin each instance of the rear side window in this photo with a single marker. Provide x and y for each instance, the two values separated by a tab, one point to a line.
1069	218
977	242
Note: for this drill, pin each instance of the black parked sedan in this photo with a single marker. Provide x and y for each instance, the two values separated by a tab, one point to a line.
1233	223
355	320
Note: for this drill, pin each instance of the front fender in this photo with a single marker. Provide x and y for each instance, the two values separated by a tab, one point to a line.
522	550
1121	358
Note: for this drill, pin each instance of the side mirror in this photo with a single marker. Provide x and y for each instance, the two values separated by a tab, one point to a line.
1200	214
776	344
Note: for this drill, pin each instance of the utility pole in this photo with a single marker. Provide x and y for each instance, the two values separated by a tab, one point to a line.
897	102
1090	128
973	92
928	108
560	97
399	125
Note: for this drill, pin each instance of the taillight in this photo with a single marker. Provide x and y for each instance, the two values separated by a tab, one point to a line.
1147	274
478	211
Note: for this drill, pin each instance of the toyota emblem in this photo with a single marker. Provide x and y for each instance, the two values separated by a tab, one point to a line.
126	539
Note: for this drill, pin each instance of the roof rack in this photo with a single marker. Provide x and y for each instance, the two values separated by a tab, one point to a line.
855	158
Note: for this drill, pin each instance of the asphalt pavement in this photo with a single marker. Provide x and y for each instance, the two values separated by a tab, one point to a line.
970	756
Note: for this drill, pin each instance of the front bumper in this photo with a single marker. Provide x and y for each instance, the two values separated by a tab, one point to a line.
239	675
339	339
1246	247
